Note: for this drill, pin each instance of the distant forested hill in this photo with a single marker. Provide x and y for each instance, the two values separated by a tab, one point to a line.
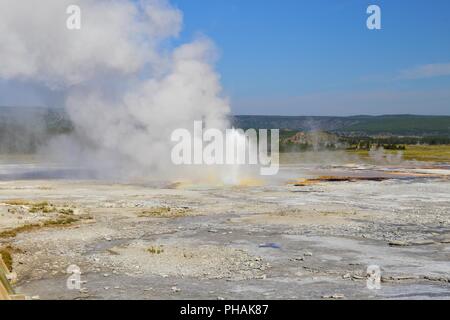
24	129
358	125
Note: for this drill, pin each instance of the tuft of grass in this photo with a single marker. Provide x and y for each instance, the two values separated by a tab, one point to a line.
65	211
11	233
155	250
17	202
7	258
164	212
58	222
426	153
43	207
61	221
33	207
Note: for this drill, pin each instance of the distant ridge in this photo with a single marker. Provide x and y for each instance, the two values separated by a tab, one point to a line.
24	129
55	120
360	124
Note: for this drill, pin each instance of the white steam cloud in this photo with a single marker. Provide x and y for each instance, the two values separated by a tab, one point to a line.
127	88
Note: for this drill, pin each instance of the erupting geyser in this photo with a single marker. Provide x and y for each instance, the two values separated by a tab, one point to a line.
126	87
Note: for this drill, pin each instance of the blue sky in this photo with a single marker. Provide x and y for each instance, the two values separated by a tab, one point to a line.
306	57
315	57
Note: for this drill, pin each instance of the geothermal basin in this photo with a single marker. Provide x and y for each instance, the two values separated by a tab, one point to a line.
309	233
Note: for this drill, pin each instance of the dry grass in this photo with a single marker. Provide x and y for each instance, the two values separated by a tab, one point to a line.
39	207
61	221
58	222
33	207
18	202
165	212
7	254
42	207
155	250
309	182
7	258
428	153
438	153
66	211
62	216
11	233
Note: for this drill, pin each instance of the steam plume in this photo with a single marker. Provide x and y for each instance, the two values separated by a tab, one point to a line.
126	87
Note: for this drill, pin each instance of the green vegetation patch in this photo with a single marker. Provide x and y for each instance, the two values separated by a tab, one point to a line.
426	153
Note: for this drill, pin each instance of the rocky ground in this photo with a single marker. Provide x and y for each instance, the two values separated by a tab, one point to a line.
279	240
